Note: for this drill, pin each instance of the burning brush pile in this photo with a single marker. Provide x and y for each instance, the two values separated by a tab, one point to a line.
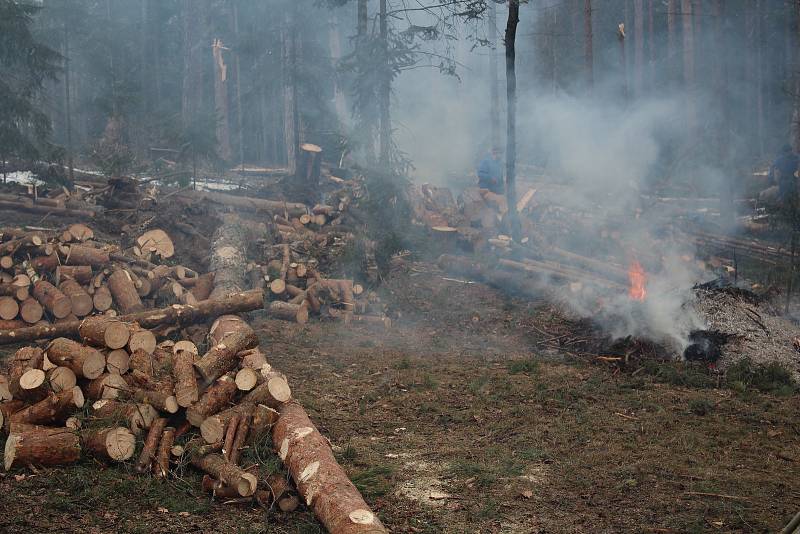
637	280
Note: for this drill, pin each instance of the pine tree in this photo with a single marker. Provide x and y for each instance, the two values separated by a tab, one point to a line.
25	64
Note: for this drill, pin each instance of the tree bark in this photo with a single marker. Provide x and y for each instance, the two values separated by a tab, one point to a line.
53	409
320	480
672	41
44	447
385	133
638	54
124	292
102	331
186	390
216	398
150	445
53	300
221	101
229	474
588	44
511	112
84	361
222	357
494	90
795	125
291	133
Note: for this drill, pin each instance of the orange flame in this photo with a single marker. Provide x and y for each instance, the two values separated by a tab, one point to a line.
638	279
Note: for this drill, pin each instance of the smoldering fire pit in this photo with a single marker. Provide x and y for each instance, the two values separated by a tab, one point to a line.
706	346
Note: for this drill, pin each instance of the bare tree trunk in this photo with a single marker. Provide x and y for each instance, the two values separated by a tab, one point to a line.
494	92
651	47
222	119
795	126
109	21
688	44
335	43
672	40
67	108
236	65
385	132
760	74
638	35
623	60
191	76
588	44
290	126
511	110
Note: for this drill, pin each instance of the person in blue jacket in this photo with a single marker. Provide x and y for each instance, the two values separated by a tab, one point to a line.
490	172
782	173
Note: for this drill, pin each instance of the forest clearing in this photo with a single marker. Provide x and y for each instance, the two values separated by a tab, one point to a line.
377	266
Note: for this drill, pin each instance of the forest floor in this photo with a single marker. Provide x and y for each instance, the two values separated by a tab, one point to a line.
461	419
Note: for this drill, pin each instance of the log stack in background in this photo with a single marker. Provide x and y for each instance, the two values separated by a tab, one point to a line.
53	276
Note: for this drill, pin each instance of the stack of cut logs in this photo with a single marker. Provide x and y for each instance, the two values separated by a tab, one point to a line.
55	276
297	289
204	409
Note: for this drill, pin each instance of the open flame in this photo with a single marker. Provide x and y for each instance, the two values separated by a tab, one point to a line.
638	281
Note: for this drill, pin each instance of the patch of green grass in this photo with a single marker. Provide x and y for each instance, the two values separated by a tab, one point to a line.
478	383
468	469
429	381
679	374
531	454
375	481
770	378
700	406
528	366
404	363
349	454
489	510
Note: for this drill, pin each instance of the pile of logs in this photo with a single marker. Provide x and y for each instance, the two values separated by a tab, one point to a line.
298	290
61	276
183	406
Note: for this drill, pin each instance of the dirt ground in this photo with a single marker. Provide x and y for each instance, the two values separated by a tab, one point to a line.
473	414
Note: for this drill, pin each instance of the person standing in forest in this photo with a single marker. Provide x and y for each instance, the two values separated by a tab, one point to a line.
782	175
490	172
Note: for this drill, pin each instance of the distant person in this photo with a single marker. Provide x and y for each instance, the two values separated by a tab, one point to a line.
490	172
782	173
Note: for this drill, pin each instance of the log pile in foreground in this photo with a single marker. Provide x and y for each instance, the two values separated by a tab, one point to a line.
184	406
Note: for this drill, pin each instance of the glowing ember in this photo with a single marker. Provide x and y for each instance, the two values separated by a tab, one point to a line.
638	279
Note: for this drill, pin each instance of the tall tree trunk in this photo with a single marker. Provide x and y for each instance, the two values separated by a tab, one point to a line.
291	132
623	60
688	68
688	44
588	44
385	133
651	47
222	118
795	126
638	35
335	43
760	74
511	110
494	91
672	41
67	106
237	66
112	72
191	76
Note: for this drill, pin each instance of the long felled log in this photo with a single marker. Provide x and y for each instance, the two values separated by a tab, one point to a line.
250	204
177	314
228	258
320	480
36	208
